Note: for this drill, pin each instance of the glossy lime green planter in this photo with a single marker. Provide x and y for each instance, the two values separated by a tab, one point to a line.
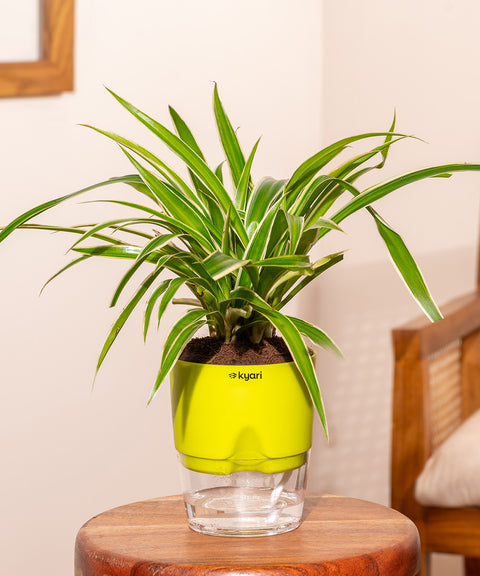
234	418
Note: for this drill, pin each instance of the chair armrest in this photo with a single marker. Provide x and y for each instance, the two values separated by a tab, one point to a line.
415	344
461	317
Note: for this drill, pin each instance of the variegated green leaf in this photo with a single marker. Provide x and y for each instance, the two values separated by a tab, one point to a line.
319	267
178	207
132	304
407	268
229	140
295	229
176	341
316	335
172	177
312	165
79	230
208	199
131	272
374	193
159	290
29	214
219	265
114	252
168	296
64	268
295	343
191	159
261	198
245	182
286	262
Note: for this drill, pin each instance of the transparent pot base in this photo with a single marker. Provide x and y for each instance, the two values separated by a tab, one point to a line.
246	503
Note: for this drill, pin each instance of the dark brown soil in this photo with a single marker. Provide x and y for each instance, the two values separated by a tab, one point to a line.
209	350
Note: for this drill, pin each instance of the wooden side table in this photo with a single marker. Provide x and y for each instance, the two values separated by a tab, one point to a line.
339	536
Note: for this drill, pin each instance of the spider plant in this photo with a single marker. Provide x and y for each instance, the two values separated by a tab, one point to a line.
245	255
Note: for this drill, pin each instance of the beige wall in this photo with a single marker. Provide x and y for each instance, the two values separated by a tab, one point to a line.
68	453
420	58
299	74
417	58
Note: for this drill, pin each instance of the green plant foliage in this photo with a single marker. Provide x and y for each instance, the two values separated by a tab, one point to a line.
242	254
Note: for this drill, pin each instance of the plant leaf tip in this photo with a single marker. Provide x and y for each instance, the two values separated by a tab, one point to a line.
325	430
152	396
94	381
435	317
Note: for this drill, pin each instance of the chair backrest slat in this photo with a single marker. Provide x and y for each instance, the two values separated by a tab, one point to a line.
445	391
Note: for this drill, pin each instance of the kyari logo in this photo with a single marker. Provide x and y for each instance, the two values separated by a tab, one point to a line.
246	375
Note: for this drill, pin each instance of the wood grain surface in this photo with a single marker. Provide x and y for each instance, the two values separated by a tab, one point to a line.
339	536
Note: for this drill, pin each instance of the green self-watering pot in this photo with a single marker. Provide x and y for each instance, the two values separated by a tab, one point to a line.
233	418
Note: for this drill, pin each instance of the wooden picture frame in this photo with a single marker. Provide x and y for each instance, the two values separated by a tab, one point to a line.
53	72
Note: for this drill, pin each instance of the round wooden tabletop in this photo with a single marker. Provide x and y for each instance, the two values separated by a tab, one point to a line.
338	536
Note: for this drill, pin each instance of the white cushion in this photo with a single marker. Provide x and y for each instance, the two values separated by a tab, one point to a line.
451	477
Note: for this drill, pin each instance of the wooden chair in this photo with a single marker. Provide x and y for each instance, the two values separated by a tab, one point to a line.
436	386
